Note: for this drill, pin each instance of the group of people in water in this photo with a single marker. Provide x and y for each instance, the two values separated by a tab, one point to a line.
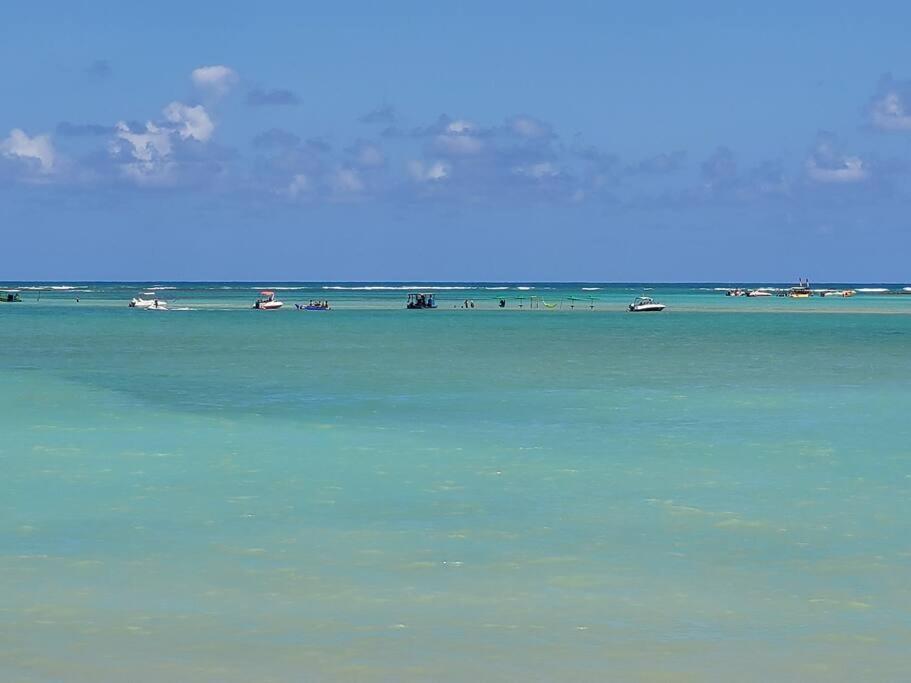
319	305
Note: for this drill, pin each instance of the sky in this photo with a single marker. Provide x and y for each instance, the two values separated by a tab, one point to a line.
572	141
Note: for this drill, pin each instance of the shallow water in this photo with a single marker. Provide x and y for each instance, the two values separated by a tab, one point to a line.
374	494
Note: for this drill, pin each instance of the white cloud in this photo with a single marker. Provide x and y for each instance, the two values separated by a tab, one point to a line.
889	113
827	164
38	148
422	172
149	150
850	170
460	126
190	122
217	78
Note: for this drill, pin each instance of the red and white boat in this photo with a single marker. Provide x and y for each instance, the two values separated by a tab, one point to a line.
267	301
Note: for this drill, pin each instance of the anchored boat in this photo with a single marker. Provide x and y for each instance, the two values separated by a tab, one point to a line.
801	290
645	304
267	301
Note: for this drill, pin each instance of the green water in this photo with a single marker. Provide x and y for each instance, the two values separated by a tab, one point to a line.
718	492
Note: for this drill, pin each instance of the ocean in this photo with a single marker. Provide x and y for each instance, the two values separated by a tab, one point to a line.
554	490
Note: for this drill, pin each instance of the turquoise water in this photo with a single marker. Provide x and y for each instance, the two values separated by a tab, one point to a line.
718	492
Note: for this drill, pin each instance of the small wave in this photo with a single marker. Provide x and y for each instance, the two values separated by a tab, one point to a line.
389	288
524	289
906	289
281	289
590	289
872	290
157	288
56	288
495	288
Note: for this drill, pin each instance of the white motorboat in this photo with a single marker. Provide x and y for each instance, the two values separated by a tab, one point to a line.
267	301
645	304
151	303
759	292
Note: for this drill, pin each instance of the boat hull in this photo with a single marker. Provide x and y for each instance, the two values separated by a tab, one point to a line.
148	303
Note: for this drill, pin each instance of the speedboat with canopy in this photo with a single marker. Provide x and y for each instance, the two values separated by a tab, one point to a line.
267	302
645	304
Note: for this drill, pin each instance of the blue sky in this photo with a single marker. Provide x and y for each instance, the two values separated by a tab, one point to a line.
350	140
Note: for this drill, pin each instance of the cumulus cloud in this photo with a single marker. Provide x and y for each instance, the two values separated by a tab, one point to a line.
217	79
190	122
457	138
277	97
890	108
37	151
145	153
827	164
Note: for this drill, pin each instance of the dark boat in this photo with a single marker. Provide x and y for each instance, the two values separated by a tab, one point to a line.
419	300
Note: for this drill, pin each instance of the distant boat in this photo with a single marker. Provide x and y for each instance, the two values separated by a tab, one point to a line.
645	304
759	292
152	303
267	301
736	292
420	300
10	296
314	306
801	290
839	292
